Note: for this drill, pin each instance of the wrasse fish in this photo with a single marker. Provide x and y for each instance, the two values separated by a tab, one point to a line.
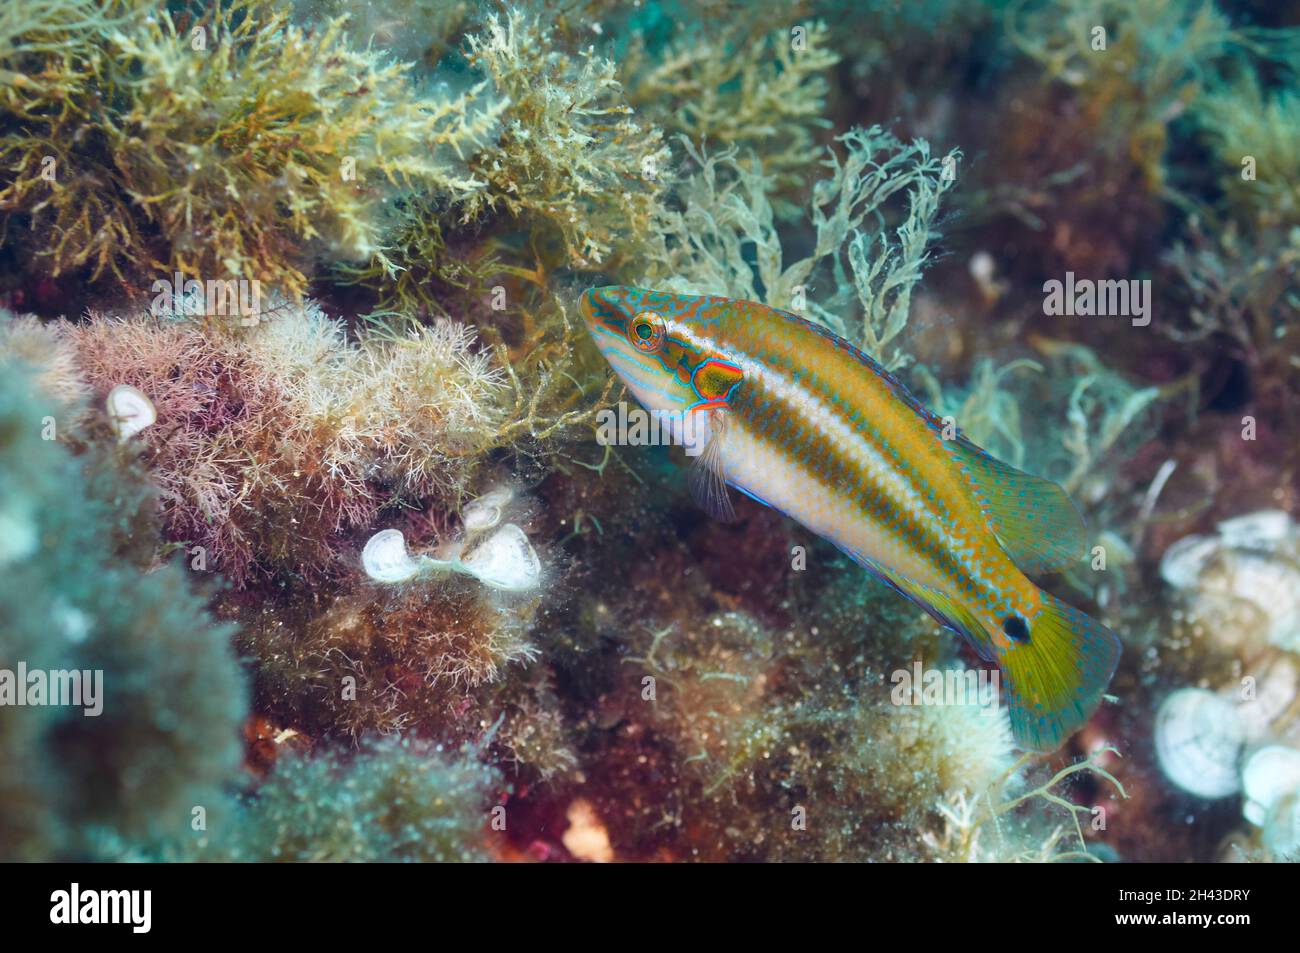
800	420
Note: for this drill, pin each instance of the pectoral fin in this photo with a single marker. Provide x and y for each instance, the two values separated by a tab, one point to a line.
707	480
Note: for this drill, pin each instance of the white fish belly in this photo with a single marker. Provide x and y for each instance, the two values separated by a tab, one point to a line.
760	470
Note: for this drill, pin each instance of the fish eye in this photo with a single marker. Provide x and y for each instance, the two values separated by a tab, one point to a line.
645	332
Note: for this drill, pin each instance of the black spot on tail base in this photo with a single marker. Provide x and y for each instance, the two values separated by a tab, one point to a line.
1016	629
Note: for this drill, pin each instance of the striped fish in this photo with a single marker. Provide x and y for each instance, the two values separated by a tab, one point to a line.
800	420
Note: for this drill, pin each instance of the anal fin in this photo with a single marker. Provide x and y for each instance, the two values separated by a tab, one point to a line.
945	610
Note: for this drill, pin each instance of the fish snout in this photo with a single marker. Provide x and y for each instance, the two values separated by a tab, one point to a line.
601	305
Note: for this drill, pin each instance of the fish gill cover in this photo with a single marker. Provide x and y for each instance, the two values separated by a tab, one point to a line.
328	532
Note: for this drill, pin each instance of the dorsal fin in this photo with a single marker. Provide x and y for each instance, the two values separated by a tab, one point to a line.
1034	519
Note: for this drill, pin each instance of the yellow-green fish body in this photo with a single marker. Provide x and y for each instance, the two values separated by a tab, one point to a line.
799	419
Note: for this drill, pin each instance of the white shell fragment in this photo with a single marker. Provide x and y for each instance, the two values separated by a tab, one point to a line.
484	513
1275	588
505	560
129	411
1270	775
1253	561
1184	561
1263	528
1198	742
386	560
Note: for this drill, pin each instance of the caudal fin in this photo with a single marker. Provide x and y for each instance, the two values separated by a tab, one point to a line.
1054	679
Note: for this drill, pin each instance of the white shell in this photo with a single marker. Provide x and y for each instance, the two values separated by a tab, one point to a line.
1263	528
1254	559
385	558
1282	829
129	411
505	560
1198	742
1270	774
982	267
1273	585
1275	691
1184	561
485	512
